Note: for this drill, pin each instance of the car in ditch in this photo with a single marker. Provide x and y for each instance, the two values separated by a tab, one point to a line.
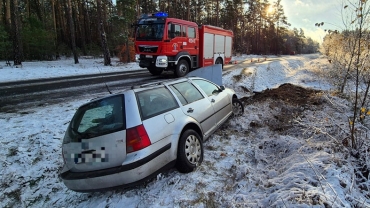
126	138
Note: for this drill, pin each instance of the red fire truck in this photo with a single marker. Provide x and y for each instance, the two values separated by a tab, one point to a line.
164	43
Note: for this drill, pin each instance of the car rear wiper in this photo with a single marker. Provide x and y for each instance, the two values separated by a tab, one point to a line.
85	135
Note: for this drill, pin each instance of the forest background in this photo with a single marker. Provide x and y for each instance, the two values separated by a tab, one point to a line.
49	29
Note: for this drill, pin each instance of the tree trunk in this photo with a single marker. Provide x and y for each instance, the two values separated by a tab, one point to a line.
7	13
169	8
55	29
28	5
59	22
87	24
1	9
107	61
217	12
16	33
188	10
81	26
128	51
38	10
72	30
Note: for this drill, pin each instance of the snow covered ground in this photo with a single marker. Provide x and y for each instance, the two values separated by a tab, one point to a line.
285	151
61	68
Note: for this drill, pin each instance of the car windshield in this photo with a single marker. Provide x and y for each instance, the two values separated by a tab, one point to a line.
150	31
98	118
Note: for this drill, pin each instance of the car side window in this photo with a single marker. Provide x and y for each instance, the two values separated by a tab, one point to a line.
209	88
155	101
179	95
186	92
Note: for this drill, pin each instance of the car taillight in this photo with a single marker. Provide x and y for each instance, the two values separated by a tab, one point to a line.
136	139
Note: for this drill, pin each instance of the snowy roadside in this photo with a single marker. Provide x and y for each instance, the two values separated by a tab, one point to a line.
66	67
276	155
61	68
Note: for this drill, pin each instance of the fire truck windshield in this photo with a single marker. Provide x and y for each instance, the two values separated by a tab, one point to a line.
151	31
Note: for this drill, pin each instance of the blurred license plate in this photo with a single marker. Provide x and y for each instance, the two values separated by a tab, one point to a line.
149	56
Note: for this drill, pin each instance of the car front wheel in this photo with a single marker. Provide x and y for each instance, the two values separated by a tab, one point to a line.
190	151
238	108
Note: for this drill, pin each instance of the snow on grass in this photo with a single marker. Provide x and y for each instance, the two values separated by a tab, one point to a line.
31	153
62	68
298	70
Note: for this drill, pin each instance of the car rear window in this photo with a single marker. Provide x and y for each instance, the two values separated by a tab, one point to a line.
98	118
155	101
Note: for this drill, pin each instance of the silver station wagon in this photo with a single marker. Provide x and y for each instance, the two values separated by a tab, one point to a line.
126	138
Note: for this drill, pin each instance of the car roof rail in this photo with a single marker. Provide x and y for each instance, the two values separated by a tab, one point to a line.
146	85
158	83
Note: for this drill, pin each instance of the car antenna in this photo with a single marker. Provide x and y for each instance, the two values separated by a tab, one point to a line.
107	88
104	82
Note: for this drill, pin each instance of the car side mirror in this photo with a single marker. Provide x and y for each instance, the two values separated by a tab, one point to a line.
222	88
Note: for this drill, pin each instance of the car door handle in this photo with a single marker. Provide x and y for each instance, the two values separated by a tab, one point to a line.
213	100
190	110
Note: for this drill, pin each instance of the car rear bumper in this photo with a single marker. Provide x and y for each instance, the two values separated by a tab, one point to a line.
123	176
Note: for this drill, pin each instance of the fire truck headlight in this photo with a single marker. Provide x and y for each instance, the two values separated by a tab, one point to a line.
161	61
137	57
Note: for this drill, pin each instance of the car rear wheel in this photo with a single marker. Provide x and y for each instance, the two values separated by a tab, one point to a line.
155	70
182	68
238	108
190	151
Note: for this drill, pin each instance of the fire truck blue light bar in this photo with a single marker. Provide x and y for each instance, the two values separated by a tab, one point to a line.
161	14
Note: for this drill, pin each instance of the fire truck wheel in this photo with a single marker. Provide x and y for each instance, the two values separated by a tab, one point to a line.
219	61
182	68
155	70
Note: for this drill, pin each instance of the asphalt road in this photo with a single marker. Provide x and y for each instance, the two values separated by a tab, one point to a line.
32	86
20	95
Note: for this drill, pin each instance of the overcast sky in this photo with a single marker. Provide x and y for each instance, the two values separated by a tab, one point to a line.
305	13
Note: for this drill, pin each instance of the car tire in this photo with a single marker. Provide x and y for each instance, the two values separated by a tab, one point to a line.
238	108
155	71
182	68
189	152
219	61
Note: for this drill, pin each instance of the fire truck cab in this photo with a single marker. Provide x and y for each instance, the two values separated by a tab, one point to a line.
164	43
